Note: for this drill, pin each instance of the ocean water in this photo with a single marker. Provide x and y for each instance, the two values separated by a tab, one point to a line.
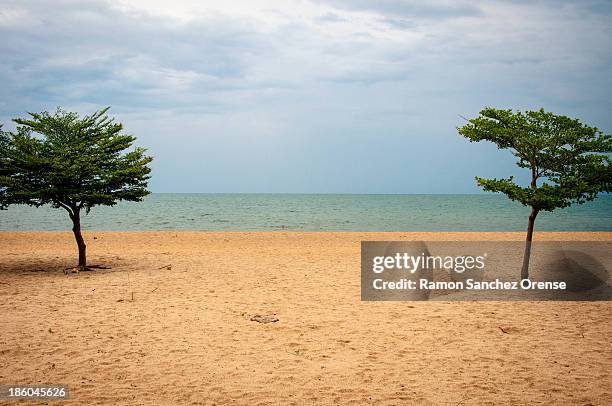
316	212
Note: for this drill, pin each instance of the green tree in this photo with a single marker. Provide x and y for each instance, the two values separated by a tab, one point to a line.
569	161
72	163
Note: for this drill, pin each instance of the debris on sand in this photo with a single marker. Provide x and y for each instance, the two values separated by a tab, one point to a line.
266	318
98	267
77	269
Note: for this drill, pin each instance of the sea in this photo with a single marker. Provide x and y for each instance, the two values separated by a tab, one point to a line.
315	212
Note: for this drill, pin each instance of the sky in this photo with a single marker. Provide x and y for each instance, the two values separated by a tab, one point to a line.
313	96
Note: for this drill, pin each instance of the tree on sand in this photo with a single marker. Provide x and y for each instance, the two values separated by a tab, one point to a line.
72	163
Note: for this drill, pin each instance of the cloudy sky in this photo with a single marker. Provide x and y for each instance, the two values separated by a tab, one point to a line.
352	96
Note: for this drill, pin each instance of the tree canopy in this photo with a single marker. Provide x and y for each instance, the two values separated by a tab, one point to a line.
67	161
572	160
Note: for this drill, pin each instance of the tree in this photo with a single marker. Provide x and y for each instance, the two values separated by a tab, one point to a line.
569	161
72	163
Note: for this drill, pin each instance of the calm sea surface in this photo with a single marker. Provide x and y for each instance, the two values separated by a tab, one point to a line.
316	212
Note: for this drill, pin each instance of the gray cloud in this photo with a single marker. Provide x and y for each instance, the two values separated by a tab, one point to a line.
411	8
331	18
73	51
399	23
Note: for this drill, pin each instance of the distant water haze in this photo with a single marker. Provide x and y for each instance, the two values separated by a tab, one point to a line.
316	212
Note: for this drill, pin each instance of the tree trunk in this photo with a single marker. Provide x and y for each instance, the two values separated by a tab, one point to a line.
525	269
76	229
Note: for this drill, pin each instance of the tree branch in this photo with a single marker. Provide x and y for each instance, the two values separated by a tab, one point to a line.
65	206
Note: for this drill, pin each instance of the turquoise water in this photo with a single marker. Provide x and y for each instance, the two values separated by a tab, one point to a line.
316	212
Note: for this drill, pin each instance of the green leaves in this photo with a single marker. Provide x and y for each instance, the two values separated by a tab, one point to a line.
570	159
70	162
545	197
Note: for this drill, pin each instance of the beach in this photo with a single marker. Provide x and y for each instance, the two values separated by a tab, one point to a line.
171	323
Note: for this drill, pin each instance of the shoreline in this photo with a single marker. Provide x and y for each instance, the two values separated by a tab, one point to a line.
543	235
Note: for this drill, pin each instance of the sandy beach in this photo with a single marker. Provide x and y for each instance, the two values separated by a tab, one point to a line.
170	323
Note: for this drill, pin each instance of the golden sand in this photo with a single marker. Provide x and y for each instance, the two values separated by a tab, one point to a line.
170	323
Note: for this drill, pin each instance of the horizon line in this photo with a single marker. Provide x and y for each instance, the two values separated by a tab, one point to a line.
325	193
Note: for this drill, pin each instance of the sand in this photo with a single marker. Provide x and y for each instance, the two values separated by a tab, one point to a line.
141	333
